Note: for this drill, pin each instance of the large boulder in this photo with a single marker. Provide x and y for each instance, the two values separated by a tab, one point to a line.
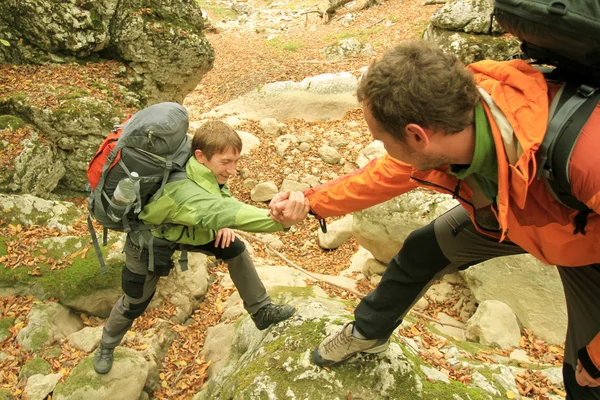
160	40
275	364
530	288
467	29
83	66
383	228
317	98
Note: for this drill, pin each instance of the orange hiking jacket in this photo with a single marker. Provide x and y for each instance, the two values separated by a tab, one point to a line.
527	213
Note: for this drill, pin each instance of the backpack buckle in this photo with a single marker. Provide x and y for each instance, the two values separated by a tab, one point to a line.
586	90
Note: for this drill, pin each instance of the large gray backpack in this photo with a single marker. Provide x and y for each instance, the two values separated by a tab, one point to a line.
154	143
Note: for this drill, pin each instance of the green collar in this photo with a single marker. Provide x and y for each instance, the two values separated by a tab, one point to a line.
204	177
484	166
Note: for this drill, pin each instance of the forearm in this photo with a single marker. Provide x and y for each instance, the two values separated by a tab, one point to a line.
380	180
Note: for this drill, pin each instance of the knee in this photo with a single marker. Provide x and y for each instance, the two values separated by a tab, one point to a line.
236	248
132	283
135	310
421	254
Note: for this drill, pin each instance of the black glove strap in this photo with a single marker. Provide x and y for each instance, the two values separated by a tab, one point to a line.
587	363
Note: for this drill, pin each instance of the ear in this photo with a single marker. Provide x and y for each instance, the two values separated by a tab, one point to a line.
199	155
416	136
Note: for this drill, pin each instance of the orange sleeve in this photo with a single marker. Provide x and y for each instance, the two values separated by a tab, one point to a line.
380	180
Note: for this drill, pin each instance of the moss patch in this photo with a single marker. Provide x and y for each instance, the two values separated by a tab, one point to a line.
10	122
83	375
36	365
82	277
5	323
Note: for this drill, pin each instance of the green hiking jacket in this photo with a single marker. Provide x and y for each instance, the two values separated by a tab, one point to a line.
198	208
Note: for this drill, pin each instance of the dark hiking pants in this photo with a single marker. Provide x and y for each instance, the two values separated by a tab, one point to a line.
452	242
139	285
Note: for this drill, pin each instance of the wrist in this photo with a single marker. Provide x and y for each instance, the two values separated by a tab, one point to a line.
588	364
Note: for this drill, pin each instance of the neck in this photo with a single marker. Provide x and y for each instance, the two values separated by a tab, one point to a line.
459	147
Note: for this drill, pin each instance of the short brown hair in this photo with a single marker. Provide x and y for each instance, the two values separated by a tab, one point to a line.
214	137
416	82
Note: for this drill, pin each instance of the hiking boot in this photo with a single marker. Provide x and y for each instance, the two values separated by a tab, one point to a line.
341	346
103	359
272	314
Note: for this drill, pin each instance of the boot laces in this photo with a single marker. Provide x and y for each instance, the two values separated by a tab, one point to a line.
340	339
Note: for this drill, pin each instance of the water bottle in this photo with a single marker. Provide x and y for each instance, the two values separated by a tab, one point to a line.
123	196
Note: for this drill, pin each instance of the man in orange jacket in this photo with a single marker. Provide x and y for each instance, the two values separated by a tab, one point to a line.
472	133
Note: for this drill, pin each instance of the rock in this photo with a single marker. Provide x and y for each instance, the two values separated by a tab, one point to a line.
494	324
440	292
250	369
249	183
350	47
31	210
86	339
506	380
293	186
338	232
468	16
183	289
383	228
471	48
125	381
519	355
304	147
40	386
218	346
329	154
373	150
317	98
264	191
47	322
272	240
455	330
35	366
282	143
272	127
249	141
530	288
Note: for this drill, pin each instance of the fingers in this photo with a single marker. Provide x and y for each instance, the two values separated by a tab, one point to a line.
224	237
219	237
583	378
278	203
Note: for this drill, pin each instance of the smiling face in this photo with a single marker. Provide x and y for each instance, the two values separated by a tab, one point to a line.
222	165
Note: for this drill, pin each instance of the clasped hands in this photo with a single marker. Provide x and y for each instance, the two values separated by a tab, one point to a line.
289	208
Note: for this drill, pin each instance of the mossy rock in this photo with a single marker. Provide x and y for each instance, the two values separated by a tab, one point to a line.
277	364
10	122
5	323
470	48
6	394
36	365
82	277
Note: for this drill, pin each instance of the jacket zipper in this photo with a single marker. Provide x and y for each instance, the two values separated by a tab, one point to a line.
455	195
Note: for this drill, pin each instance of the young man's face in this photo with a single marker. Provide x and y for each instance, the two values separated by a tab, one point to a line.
222	165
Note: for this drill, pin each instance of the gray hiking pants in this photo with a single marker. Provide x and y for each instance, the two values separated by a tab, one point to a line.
139	285
452	242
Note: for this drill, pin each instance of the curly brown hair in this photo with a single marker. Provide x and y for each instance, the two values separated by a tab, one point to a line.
416	82
214	137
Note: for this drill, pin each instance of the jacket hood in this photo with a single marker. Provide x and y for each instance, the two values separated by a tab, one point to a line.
521	93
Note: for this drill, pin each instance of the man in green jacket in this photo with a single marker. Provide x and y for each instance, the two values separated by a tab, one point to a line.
200	213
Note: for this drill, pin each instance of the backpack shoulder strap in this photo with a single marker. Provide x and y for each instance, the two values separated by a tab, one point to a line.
570	110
